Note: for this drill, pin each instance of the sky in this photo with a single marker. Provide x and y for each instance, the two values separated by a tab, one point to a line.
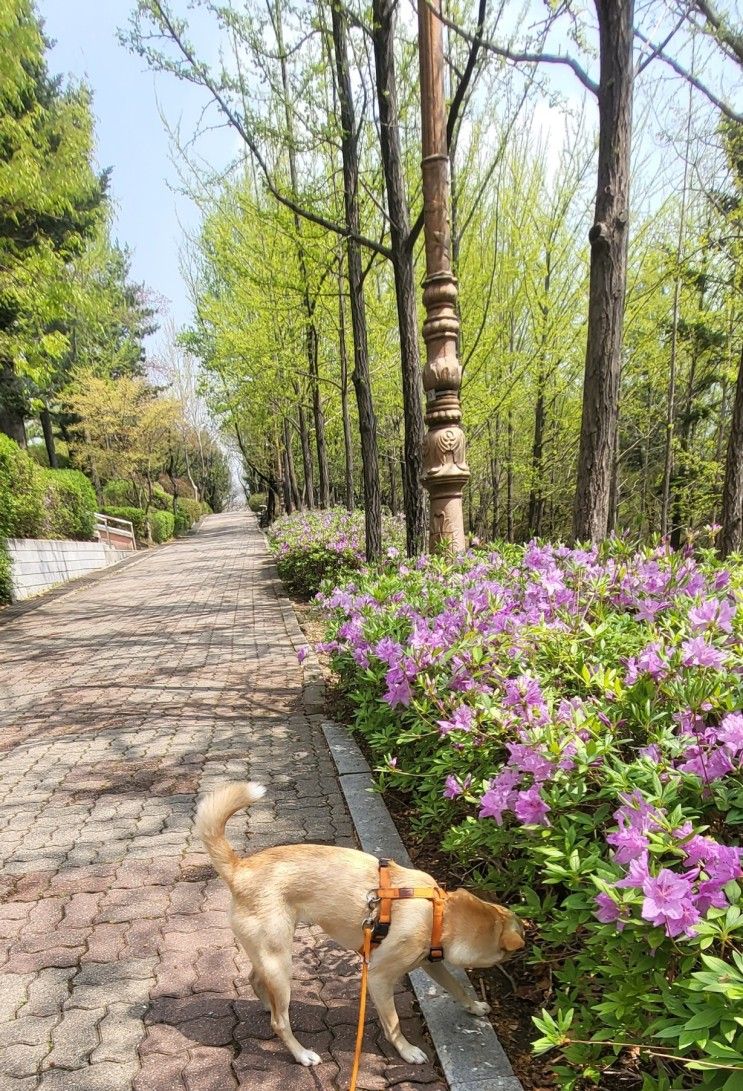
131	138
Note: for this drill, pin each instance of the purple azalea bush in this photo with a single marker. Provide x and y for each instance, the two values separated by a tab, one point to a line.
312	546
571	722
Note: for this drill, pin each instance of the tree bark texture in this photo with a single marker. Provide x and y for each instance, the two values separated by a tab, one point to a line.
12	404
290	471
608	274
402	264
731	535
361	378
46	427
343	352
304	439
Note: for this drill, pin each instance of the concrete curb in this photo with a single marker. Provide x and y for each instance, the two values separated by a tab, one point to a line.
468	1049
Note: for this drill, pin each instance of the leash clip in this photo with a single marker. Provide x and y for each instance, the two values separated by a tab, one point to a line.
372	904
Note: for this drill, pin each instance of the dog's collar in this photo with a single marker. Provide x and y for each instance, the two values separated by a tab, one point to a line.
382	898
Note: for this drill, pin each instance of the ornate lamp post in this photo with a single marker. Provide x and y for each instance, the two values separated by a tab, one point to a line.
445	469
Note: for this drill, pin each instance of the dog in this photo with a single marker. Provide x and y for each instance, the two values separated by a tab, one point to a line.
277	888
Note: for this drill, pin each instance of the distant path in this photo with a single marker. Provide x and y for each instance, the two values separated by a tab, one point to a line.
120	702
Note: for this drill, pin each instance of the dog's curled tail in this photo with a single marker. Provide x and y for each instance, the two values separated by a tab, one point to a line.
212	816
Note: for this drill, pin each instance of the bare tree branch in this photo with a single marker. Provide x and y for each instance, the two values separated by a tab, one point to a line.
201	76
732	38
723	107
456	103
516	56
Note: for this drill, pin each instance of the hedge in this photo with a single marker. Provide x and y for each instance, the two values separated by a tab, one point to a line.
256	501
162	525
119	491
70	504
191	508
21	493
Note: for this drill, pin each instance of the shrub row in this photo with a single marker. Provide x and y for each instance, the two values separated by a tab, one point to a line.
314	546
162	524
39	503
569	723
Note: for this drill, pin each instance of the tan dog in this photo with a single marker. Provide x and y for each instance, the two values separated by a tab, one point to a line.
277	888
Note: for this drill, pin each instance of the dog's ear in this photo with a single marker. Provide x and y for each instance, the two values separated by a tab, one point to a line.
511	939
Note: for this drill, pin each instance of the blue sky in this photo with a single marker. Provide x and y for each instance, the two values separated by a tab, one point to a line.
131	137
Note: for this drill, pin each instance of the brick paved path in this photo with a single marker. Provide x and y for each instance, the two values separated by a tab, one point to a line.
120	702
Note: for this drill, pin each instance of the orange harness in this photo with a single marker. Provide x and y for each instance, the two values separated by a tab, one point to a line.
376	928
386	894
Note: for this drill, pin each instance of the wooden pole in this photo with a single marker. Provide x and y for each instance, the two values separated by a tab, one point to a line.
445	469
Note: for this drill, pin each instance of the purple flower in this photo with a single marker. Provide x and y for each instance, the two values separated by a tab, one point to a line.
696	652
388	650
637	874
668	902
461	720
529	760
301	654
609	912
398	688
707	763
629	844
500	796
730	733
647	662
530	808
453	788
712	612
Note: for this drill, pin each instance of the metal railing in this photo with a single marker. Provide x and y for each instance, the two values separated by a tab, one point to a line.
118	533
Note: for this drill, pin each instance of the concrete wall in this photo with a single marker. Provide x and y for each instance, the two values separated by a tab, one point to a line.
38	564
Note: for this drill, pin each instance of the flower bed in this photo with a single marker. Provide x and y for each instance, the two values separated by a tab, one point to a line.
570	724
314	546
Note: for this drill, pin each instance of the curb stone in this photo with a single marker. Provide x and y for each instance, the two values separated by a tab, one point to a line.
468	1049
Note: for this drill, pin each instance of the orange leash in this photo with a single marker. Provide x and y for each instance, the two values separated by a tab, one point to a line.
365	952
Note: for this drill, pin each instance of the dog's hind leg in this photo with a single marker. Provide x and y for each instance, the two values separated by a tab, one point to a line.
258	986
443	976
275	973
382	991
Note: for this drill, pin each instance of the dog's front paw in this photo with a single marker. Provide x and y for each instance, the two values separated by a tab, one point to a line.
412	1054
478	1007
308	1057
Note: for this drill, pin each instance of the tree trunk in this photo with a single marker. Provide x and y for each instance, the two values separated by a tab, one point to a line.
392	471
319	419
535	493
731	535
290	471
614	491
671	398
536	500
12	404
311	334
509	476
608	277
46	426
360	377
347	438
495	476
309	487
402	264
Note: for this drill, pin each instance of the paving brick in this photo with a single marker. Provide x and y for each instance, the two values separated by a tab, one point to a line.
121	1031
74	1038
